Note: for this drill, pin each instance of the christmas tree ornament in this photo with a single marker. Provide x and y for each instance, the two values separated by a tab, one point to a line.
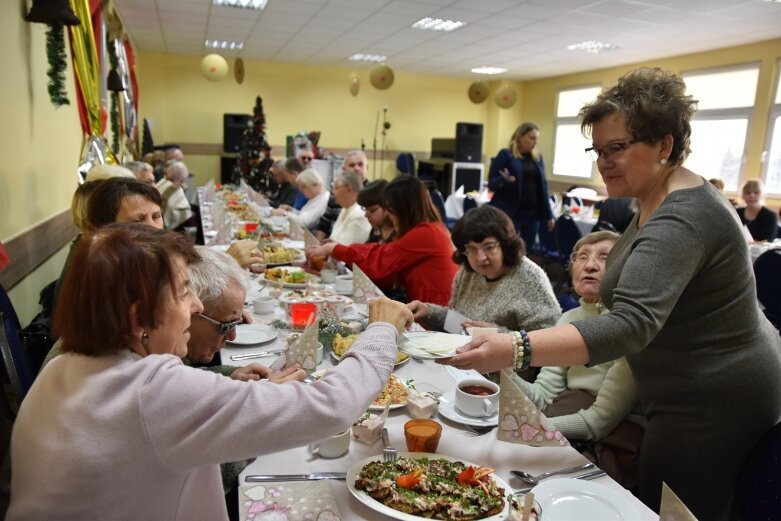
355	84
381	77
238	70
214	67
505	96
478	92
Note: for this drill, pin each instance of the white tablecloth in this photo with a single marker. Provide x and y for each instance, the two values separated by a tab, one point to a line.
456	441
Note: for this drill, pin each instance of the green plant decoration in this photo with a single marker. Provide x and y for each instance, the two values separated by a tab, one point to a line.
55	52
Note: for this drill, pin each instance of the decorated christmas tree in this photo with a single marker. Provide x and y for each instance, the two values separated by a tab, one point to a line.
254	158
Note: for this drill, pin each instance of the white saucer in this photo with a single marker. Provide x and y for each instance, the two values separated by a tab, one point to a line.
253	334
449	411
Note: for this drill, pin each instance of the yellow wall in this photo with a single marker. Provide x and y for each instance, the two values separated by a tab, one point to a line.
183	106
40	145
539	97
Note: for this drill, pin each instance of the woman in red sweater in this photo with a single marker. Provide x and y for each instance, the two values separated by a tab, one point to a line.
419	261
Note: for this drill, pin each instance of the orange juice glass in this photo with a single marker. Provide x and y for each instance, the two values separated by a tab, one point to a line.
422	435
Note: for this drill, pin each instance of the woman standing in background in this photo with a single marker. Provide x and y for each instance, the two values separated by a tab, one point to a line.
517	178
762	223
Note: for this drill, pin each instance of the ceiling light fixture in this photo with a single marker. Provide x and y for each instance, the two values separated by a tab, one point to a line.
223	44
592	46
437	24
367	58
489	70
242	4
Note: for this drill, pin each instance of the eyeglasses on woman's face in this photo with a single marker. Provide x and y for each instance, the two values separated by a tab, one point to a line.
224	327
488	249
582	257
611	150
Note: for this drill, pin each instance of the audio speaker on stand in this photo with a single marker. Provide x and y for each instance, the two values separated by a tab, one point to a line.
469	142
233	127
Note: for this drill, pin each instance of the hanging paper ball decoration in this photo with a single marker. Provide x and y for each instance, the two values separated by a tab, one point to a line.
478	92
238	70
214	67
355	84
381	77
505	96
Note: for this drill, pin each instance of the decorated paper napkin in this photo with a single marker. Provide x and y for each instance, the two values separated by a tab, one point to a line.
672	508
288	501
309	239
363	287
304	349
520	421
295	232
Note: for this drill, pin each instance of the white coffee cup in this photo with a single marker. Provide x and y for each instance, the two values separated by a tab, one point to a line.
328	276
263	305
344	284
332	447
319	353
336	303
473	404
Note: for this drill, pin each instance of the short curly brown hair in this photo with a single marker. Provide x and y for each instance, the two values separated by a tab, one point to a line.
654	104
487	221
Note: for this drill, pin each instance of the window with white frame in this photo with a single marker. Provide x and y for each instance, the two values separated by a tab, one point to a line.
569	158
719	127
772	160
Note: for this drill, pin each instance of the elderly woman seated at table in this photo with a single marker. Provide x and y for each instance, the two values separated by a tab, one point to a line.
761	222
417	264
497	285
351	225
310	184
589	404
119	417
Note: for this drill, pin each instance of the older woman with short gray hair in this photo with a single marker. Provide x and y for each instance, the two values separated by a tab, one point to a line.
310	184
351	224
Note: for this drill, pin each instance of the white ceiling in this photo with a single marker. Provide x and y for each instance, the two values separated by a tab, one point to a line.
528	37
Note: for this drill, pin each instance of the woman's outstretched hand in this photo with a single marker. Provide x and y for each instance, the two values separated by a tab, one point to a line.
484	354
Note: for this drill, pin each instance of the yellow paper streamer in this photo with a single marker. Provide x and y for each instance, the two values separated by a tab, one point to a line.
86	64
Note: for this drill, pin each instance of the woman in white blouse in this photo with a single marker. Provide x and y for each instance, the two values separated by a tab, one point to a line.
310	184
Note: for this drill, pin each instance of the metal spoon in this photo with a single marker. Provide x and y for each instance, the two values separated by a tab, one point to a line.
533	480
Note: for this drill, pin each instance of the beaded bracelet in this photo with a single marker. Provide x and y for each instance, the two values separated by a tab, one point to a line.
522	358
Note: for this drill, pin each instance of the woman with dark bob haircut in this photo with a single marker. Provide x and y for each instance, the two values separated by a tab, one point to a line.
418	262
682	303
118	415
497	285
121	199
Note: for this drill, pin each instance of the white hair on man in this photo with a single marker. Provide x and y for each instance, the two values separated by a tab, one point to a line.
177	172
102	172
211	277
309	177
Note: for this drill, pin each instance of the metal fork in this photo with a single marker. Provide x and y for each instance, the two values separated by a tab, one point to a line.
479	431
389	454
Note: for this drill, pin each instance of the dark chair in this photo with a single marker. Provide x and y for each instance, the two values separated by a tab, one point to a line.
604	226
757	495
469	204
767	271
405	163
567	300
567	234
439	203
15	362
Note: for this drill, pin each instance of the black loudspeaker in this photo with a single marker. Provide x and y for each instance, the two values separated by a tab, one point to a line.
233	127
469	142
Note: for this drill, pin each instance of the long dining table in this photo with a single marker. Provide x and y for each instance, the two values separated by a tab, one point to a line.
457	440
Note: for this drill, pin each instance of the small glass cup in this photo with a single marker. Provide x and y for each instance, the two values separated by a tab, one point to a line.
422	435
302	314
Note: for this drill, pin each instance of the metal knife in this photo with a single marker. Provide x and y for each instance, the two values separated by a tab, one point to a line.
259	354
296	477
594	474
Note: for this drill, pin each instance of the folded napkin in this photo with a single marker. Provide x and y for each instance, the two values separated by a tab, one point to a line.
304	349
309	239
289	501
363	287
295	232
672	508
520	421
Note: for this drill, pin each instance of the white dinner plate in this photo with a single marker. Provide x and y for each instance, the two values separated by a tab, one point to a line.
565	499
366	499
418	344
447	408
253	334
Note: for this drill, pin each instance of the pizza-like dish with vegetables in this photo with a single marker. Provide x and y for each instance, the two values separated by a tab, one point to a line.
433	488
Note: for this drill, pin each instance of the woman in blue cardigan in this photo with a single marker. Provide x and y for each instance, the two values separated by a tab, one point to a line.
517	178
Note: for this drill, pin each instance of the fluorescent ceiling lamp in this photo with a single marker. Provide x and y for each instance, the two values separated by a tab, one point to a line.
437	24
592	46
243	4
367	58
489	70
222	44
